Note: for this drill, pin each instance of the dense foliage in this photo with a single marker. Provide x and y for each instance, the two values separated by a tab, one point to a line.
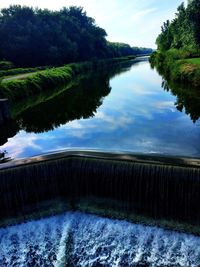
187	98
36	37
48	79
178	52
42	37
122	49
6	65
11	72
184	31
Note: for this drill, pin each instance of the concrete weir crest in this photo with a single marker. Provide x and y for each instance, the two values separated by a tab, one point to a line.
156	186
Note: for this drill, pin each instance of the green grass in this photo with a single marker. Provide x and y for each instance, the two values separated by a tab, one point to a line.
16	90
6	65
176	66
16	71
193	61
20	89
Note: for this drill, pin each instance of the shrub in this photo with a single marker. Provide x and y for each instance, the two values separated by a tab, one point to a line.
6	65
16	90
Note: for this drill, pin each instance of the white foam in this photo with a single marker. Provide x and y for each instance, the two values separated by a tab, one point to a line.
87	240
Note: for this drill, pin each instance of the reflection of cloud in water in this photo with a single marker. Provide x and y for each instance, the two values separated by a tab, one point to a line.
17	145
77	128
114	122
73	125
137	116
140	90
165	105
101	122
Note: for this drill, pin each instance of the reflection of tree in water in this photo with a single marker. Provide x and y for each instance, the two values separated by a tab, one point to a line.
188	98
3	157
48	111
8	130
81	101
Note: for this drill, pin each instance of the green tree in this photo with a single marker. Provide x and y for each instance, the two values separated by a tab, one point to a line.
193	11
184	30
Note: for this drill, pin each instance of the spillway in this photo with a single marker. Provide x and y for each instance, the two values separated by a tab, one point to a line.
157	187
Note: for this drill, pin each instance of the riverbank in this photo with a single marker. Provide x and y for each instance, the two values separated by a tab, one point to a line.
20	89
18	71
178	65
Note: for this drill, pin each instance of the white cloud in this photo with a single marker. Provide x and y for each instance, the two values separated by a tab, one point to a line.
135	22
16	146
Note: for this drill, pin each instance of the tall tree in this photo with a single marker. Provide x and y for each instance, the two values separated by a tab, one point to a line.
184	30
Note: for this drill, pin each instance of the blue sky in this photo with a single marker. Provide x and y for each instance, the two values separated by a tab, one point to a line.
136	22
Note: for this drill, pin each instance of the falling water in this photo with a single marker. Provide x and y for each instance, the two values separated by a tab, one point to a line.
157	190
76	239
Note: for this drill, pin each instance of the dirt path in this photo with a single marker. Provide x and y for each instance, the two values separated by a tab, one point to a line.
18	77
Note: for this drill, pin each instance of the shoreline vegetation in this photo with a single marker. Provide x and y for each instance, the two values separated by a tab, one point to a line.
17	71
178	54
35	37
77	99
48	79
178	66
64	43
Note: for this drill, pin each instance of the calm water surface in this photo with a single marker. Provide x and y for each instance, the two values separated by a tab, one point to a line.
127	110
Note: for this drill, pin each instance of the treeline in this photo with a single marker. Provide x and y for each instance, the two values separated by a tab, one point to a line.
122	49
178	54
184	31
35	37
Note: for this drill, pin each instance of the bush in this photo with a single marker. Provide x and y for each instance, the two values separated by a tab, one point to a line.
174	64
11	72
17	90
6	65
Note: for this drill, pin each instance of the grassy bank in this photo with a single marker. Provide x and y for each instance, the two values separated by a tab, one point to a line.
17	90
178	65
16	71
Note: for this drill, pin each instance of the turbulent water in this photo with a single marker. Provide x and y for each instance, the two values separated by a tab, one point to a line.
76	239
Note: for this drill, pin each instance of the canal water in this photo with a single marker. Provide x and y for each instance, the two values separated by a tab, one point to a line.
128	109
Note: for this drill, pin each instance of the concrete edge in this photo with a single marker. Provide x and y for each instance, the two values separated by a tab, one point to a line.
117	156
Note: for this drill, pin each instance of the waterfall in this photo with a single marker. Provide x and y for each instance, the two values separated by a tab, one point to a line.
75	239
155	189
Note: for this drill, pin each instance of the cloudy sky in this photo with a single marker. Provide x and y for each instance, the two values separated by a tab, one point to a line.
136	22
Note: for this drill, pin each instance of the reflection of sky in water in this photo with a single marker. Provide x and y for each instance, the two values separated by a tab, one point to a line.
137	116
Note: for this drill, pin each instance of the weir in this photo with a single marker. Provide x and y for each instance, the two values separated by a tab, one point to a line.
159	187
